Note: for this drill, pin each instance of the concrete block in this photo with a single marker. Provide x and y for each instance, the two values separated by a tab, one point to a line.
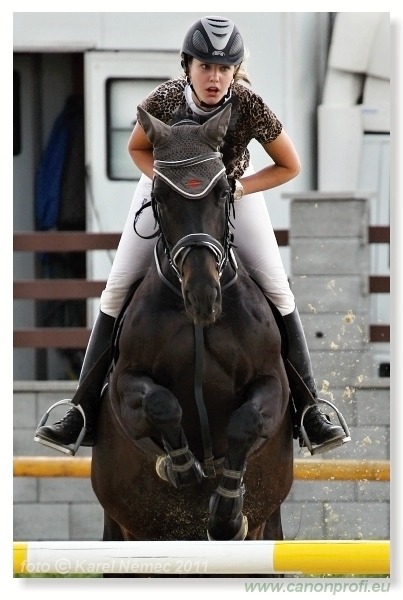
41	522
320	491
341	368
24	410
65	489
303	520
355	521
324	217
348	331
24	445
325	294
25	489
373	491
86	522
329	257
373	406
367	443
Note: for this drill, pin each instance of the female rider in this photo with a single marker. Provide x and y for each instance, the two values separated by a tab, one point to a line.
212	55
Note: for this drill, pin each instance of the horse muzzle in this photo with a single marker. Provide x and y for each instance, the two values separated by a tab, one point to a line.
202	303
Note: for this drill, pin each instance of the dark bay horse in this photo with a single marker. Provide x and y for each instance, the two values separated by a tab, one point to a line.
195	433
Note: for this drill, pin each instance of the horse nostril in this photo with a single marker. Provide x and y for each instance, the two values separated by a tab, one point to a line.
202	303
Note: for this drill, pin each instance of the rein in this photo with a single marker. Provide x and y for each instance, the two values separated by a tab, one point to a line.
177	254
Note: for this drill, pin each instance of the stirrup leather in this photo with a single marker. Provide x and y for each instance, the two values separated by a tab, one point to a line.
339	441
70	449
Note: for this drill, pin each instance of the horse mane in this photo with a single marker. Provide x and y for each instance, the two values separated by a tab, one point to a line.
182	116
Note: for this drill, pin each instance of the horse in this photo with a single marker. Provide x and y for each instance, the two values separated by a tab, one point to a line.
195	438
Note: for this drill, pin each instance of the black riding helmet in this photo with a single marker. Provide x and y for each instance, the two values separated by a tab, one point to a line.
214	40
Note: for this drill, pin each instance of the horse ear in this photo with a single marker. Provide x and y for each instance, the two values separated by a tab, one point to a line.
216	127
156	131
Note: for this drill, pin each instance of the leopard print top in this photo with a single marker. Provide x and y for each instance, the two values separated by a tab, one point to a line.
250	119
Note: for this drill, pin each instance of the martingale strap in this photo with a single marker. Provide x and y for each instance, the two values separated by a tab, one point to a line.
208	462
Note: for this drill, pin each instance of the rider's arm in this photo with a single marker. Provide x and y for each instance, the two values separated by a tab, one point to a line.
286	166
141	151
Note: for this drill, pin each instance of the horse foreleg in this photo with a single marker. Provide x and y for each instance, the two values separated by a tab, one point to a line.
226	520
163	411
153	409
112	531
259	416
273	528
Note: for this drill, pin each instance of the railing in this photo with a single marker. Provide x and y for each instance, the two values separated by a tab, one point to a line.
302	557
81	289
313	470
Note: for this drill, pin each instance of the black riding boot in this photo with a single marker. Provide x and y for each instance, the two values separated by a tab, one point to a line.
64	435
321	432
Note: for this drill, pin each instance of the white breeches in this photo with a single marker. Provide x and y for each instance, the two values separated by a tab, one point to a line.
254	237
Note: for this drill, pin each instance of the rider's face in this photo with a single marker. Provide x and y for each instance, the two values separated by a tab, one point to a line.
210	82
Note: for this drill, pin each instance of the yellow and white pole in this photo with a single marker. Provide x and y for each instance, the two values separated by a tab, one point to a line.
335	557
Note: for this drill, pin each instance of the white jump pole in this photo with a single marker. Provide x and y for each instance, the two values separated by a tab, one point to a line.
312	557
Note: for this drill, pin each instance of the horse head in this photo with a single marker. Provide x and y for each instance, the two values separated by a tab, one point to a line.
192	200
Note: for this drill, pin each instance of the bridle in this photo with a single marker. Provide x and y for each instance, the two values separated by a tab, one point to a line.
177	253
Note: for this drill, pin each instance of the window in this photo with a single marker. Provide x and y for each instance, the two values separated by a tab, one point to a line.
122	99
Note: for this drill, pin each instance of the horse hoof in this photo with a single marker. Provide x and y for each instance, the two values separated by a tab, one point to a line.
240	536
160	467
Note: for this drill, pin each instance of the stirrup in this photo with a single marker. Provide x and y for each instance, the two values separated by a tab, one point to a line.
334	443
70	449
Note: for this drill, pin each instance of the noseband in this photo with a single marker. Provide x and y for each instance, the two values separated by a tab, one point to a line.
182	248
